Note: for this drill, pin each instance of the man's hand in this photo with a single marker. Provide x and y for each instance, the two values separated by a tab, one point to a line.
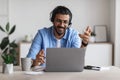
39	58
85	36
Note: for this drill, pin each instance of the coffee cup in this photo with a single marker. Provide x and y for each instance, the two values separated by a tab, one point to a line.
26	64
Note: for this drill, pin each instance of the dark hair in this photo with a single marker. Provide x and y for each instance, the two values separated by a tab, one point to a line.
60	10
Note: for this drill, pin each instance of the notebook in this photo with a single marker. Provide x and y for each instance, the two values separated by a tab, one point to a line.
65	59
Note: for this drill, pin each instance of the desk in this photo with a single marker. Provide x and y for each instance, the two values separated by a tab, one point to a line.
112	74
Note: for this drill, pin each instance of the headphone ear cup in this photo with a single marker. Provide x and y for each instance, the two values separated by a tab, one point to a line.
70	23
51	19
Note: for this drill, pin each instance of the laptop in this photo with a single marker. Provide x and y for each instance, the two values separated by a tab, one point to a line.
65	59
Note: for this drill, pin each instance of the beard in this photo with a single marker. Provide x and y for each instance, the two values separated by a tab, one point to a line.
60	30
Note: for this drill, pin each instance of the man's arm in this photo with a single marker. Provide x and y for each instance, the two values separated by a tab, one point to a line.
40	59
85	37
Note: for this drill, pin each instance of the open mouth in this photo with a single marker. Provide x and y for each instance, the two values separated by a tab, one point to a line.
61	29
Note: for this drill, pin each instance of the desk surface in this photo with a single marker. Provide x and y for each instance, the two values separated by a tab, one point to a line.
112	74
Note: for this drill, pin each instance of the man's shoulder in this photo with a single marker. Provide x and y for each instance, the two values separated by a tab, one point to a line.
45	29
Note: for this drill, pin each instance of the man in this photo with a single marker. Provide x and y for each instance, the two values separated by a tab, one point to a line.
59	35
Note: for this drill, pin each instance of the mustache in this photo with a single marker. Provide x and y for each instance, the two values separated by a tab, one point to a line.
60	27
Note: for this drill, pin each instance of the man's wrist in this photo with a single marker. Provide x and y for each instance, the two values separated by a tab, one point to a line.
35	63
84	44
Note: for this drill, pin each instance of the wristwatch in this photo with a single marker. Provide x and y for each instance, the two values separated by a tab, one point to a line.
84	44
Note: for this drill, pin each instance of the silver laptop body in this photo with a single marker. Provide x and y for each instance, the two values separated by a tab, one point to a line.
65	59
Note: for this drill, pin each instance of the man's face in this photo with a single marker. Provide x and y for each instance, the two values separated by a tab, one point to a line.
61	22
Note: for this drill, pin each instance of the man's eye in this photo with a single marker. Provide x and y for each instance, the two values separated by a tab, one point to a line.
58	20
66	22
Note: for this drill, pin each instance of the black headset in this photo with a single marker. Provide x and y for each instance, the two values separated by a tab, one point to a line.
60	10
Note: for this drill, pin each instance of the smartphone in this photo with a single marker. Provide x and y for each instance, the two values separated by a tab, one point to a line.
92	67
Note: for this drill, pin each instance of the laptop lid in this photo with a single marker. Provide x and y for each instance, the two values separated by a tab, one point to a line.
65	59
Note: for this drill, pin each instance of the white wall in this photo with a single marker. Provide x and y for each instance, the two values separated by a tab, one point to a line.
3	15
3	19
31	15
